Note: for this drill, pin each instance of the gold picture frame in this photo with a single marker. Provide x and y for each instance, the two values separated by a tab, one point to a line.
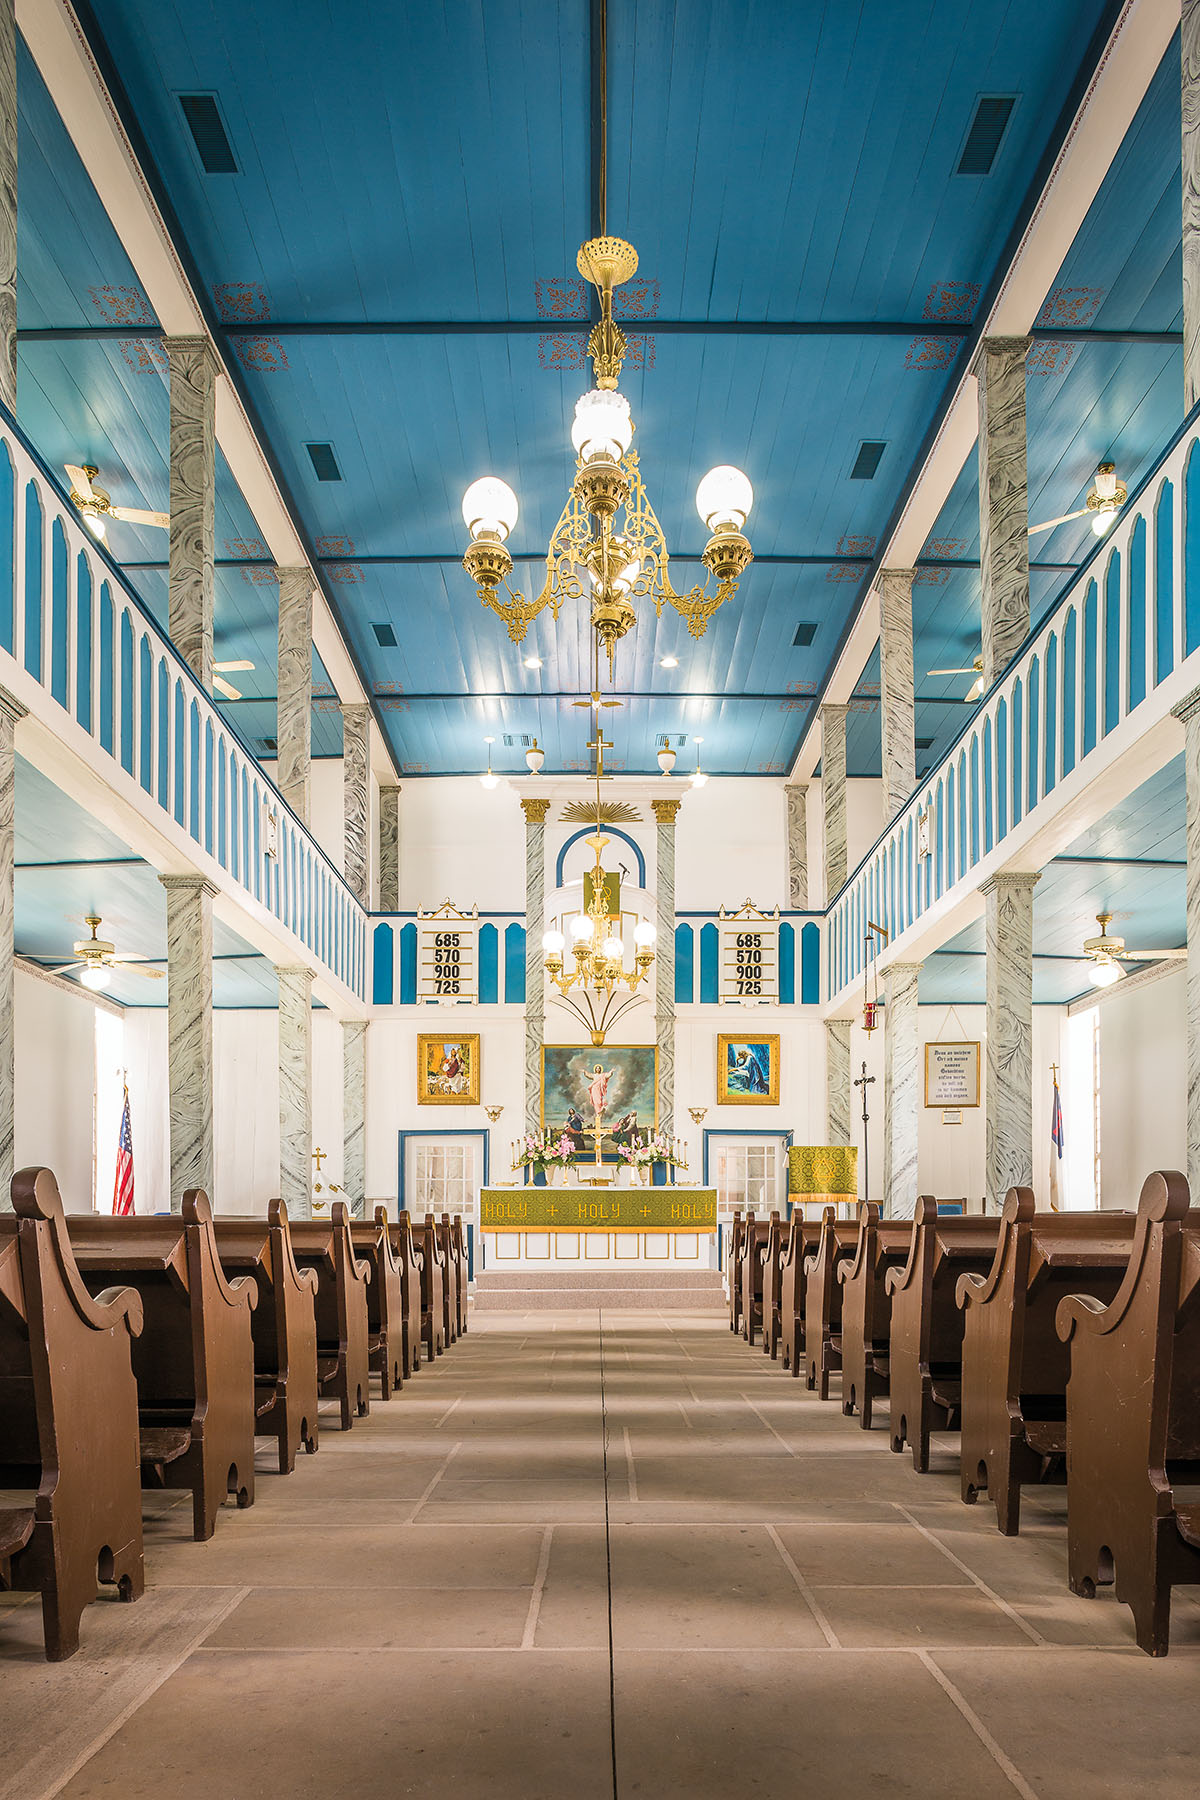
447	1068
954	1072
743	1091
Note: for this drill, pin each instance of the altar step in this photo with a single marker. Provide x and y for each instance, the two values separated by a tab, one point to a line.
570	1290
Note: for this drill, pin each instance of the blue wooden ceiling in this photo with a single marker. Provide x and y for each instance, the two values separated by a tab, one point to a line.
435	165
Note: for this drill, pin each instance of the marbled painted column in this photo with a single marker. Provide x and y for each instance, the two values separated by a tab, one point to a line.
833	796
1189	46
999	369
10	711
8	221
356	768
193	444
901	1090
897	707
1188	710
535	974
665	813
293	706
1008	1089
797	847
354	1113
838	1129
190	1033
295	1090
389	847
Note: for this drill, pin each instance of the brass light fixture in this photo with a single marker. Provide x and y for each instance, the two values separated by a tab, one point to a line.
598	989
608	543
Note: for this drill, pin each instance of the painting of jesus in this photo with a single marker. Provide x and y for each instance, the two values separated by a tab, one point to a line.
616	1085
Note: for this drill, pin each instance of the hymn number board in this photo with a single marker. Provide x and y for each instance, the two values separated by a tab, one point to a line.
749	957
448	956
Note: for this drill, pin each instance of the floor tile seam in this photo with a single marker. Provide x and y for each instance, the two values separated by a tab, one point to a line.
449	1458
806	1594
539	1587
767	1425
161	1675
630	1467
1006	1766
1030	1631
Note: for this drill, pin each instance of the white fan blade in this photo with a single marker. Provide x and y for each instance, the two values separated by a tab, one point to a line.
134	515
1153	955
972	670
70	968
230	668
226	687
1049	524
79	482
975	689
135	968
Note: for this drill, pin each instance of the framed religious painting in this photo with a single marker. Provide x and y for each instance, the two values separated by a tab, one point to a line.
447	1069
614	1089
748	1069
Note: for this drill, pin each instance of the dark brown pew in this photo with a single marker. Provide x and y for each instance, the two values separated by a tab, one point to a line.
343	1357
457	1260
445	1238
68	1421
433	1281
385	1301
867	1309
772	1289
925	1352
194	1360
1015	1368
409	1260
823	1301
802	1238
1133	1419
284	1328
733	1270
754	1249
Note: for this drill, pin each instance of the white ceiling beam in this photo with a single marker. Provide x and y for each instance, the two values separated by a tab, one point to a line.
61	51
1138	43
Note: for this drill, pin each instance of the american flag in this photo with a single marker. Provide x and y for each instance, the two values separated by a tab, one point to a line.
1056	1145
123	1186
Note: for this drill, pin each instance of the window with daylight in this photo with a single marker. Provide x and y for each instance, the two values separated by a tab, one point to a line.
749	1175
441	1176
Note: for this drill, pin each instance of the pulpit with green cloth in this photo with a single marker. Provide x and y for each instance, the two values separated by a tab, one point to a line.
823	1175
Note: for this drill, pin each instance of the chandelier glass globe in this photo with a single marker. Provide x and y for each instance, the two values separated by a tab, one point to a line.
489	508
724	498
603	426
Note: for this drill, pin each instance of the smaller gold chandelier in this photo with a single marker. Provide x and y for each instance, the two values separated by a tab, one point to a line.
598	988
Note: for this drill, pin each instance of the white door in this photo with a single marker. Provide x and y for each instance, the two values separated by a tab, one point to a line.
441	1175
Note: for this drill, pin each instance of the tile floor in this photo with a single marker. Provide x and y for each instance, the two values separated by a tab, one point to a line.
591	1556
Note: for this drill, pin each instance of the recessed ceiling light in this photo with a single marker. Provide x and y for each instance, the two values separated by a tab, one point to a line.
669	662
533	662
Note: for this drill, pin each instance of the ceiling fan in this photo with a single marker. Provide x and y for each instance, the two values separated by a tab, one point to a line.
94	503
1107	952
226	687
95	959
976	669
1105	500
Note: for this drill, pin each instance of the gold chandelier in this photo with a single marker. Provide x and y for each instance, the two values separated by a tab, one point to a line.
608	541
599	989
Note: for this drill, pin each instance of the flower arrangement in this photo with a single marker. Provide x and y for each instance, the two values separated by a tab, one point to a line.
541	1152
647	1152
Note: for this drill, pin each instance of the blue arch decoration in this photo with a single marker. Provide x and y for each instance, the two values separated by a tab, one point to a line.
684	954
590	831
514	965
489	965
382	966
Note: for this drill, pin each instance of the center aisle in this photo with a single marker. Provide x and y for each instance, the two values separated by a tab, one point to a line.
587	1555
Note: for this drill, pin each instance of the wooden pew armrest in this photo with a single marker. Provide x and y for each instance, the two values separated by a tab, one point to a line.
968	1288
35	1196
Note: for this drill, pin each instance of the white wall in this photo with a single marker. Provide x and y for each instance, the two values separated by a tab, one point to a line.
55	1050
463	842
747	820
1143	1086
864	822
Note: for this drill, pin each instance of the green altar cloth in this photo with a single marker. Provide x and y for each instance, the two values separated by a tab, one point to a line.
822	1172
597	1209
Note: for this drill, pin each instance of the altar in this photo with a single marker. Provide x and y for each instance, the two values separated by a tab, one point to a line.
673	1226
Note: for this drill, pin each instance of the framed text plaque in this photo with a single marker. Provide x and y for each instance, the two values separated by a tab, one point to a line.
952	1074
748	957
448	956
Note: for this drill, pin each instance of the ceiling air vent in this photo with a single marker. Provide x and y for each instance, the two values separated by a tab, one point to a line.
324	462
517	741
385	637
678	740
923	744
867	461
268	746
203	120
806	631
987	129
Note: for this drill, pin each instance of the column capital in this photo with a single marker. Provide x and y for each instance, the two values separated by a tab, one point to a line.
889	576
665	811
535	811
903	968
389	787
355	711
297	971
197	884
1012	348
1188	708
833	707
294	575
795	787
1005	882
10	707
